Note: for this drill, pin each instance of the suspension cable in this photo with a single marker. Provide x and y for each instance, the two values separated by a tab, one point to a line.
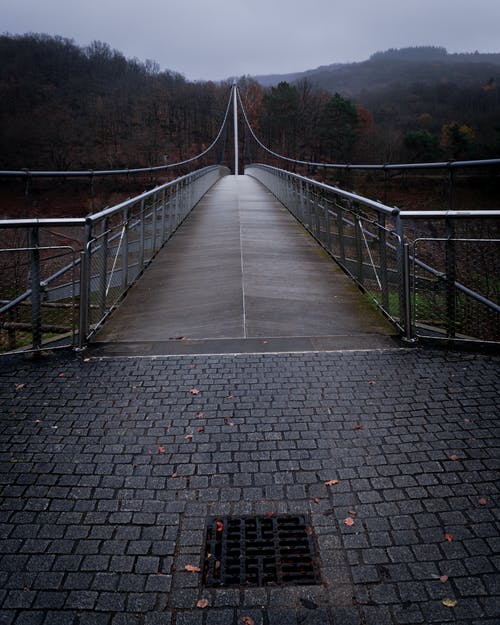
109	172
398	166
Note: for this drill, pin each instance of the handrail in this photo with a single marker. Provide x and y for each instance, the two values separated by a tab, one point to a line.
137	198
349	195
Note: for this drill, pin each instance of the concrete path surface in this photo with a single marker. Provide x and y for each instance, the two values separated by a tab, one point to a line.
241	267
111	469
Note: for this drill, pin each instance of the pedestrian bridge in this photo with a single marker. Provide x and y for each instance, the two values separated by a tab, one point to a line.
266	261
241	274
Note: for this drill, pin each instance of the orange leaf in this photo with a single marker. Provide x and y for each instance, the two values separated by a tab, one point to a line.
200	429
220	526
229	396
19	387
202	603
175	475
331	482
483	501
61	375
349	521
200	415
443	579
316	499
188	437
195	391
448	536
372	382
161	450
192	569
86	360
454	457
358	426
247	620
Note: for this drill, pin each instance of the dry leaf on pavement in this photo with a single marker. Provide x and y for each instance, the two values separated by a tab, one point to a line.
202	603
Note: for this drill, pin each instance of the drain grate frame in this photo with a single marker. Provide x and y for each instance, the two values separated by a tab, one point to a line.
255	551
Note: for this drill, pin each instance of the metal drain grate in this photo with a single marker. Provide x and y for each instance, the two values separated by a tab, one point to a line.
260	551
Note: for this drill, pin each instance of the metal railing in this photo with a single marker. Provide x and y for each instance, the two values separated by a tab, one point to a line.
435	274
61	278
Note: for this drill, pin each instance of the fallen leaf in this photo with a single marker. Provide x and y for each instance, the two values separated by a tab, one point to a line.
454	457
229	396
443	579
449	603
202	429
202	603
372	382
331	482
309	531
19	387
358	426
349	521
247	620
200	415
195	391
353	512
192	569
86	360
188	437
220	526
449	537
231	424
175	475
482	501
316	499
161	450
269	514
61	375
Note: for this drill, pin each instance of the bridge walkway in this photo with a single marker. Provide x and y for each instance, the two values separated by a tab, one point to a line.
242	275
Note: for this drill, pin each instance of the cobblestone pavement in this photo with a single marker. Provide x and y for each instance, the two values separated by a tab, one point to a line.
110	469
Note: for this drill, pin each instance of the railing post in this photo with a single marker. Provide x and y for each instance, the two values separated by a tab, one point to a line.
403	259
126	217
340	227
163	215
359	246
103	270
153	234
450	260
36	296
142	238
85	278
382	242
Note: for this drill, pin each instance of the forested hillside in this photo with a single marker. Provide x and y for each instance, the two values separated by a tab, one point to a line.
66	107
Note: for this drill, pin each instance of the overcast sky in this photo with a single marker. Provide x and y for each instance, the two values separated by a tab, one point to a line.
216	39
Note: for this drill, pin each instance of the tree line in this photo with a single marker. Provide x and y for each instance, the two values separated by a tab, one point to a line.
67	107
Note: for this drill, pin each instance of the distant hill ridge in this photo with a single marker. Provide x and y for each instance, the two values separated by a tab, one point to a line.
402	66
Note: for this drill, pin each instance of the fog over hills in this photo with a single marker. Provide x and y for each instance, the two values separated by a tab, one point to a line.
397	67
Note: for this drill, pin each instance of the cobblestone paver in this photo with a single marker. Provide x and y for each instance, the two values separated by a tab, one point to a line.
110	469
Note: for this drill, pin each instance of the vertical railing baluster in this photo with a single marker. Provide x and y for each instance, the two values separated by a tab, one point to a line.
382	250
36	296
142	235
103	268
450	261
